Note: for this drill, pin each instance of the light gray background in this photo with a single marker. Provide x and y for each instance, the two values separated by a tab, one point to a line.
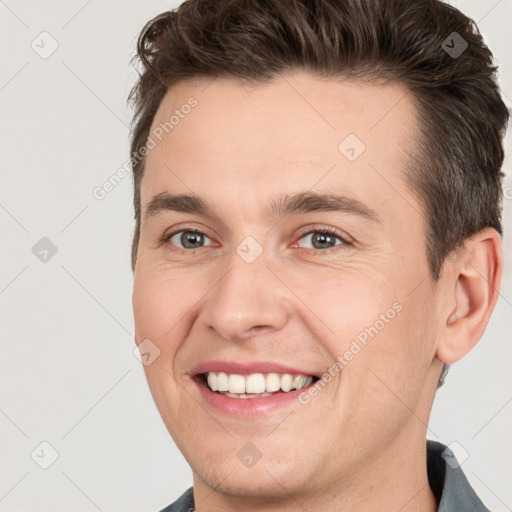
67	371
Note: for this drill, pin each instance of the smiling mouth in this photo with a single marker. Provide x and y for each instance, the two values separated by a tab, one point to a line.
255	385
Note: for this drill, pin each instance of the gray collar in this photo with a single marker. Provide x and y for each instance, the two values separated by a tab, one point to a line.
448	482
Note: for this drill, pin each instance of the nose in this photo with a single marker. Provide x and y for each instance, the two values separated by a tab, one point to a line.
248	299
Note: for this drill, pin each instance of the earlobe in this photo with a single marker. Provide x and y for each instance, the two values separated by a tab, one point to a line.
473	283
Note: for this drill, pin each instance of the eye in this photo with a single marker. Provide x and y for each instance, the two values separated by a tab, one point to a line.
319	240
322	239
188	238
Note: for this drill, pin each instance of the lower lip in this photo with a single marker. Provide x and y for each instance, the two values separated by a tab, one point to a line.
248	407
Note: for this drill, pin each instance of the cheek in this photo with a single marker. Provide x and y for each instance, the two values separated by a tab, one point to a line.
380	332
149	306
347	301
160	301
391	370
159	309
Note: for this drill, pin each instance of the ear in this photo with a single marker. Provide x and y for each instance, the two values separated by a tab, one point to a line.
471	286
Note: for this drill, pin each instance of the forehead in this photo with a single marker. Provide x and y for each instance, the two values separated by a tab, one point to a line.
299	110
285	135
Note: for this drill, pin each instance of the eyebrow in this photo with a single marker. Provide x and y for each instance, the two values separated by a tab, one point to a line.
303	202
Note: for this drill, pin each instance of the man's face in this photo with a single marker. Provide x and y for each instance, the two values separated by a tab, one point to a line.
258	287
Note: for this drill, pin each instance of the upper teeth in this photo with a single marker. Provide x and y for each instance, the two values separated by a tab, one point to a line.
256	382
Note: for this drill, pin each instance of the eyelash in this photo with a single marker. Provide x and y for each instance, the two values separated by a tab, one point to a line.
323	230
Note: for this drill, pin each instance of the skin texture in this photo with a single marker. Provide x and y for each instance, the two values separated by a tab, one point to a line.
360	443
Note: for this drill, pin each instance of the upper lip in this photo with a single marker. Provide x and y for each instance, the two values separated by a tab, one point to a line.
246	368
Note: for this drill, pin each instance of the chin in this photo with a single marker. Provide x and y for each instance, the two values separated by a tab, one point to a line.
265	483
276	474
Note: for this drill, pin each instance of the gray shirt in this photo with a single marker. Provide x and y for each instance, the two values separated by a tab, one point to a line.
446	479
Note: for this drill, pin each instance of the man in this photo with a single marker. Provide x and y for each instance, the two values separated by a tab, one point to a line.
317	203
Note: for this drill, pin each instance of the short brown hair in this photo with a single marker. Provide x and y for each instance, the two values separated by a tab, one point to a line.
428	46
